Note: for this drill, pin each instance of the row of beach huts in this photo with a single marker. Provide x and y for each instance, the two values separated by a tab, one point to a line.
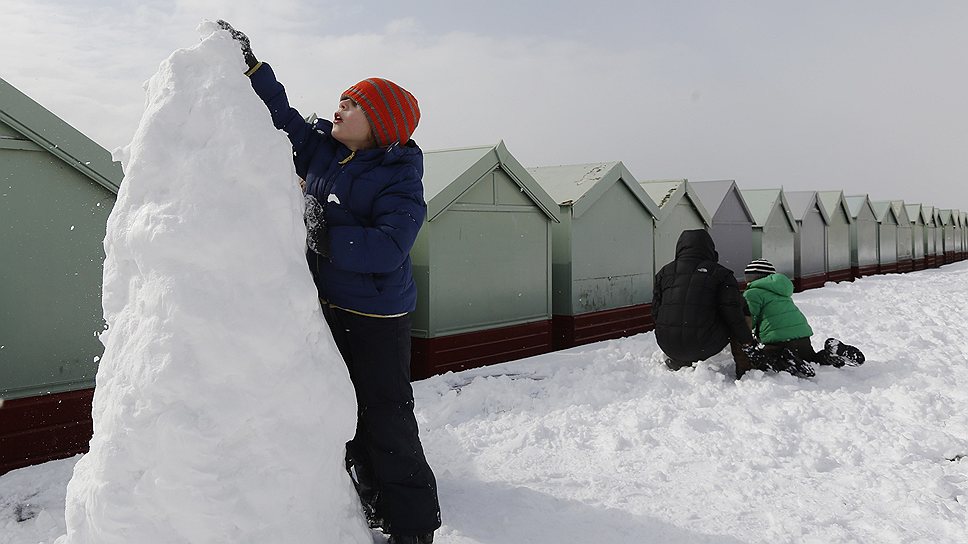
511	261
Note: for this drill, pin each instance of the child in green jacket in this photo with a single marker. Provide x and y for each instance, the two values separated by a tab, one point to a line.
779	324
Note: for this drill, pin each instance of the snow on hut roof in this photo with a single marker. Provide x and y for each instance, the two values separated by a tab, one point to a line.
580	185
666	193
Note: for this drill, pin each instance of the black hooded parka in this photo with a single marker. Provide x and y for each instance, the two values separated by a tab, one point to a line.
696	302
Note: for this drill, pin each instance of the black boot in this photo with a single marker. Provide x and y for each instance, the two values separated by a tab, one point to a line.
838	354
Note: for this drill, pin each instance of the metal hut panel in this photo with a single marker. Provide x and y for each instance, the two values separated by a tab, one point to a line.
732	223
905	245
59	188
863	236
959	235
886	236
915	215
602	252
932	249
947	228
482	262
810	241
679	210
774	228
838	235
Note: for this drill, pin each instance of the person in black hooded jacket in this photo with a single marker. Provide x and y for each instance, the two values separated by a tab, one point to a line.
698	308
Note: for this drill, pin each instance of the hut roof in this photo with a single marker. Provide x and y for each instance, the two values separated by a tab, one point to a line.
581	185
448	173
712	194
802	201
39	127
762	203
668	193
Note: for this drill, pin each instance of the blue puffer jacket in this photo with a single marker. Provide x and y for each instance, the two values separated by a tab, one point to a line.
374	208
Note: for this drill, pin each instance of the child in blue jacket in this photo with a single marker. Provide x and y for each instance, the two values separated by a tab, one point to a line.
365	206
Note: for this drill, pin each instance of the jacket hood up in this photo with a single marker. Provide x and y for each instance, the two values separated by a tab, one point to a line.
696	244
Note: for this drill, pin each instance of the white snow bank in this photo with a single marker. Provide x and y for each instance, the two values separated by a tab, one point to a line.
222	406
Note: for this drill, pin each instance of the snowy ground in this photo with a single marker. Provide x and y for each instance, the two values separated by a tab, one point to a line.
602	444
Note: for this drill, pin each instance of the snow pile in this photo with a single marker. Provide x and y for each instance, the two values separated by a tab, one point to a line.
222	406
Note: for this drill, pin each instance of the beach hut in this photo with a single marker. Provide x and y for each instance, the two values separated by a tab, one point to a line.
810	240
946	224
602	269
482	262
915	213
930	236
964	235
959	235
838	235
863	236
938	238
679	209
58	189
732	223
905	240
774	228
887	223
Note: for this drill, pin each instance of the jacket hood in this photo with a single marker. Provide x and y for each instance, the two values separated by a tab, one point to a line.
775	283
696	244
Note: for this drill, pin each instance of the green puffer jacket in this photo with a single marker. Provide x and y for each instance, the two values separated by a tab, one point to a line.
775	317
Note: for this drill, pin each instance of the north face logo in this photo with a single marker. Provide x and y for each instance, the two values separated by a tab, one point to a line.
701	269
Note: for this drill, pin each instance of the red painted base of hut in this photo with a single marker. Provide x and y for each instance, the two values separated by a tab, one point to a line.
430	356
35	430
920	264
576	330
949	257
931	261
905	266
841	275
888	268
809	282
860	271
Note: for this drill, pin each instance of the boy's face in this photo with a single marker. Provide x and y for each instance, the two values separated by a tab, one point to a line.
350	126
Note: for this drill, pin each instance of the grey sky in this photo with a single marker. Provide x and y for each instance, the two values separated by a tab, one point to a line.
864	96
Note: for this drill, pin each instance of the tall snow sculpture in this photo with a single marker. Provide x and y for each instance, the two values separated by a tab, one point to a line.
222	407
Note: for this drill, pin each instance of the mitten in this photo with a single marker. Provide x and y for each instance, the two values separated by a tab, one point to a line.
243	40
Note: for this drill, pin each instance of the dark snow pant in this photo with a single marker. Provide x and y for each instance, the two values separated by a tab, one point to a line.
802	347
387	445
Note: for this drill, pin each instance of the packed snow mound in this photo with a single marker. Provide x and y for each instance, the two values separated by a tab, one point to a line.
222	406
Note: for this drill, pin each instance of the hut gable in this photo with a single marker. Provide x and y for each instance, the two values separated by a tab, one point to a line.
485	175
927	212
667	194
801	202
860	207
884	212
763	202
915	213
26	125
900	212
834	202
581	185
713	195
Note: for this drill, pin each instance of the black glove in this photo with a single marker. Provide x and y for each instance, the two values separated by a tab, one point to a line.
316	236
758	358
243	40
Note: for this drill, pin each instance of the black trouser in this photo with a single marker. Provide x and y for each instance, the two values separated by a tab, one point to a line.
801	346
387	445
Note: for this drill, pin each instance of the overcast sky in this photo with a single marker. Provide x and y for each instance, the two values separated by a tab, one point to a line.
864	96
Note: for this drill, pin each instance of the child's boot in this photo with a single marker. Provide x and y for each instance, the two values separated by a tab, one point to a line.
838	354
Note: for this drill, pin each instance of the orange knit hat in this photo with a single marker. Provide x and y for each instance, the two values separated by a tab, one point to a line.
391	110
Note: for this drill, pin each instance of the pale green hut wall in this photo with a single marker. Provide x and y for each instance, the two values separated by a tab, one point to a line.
863	239
54	221
811	247
612	250
887	242
683	217
776	242
838	240
491	255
